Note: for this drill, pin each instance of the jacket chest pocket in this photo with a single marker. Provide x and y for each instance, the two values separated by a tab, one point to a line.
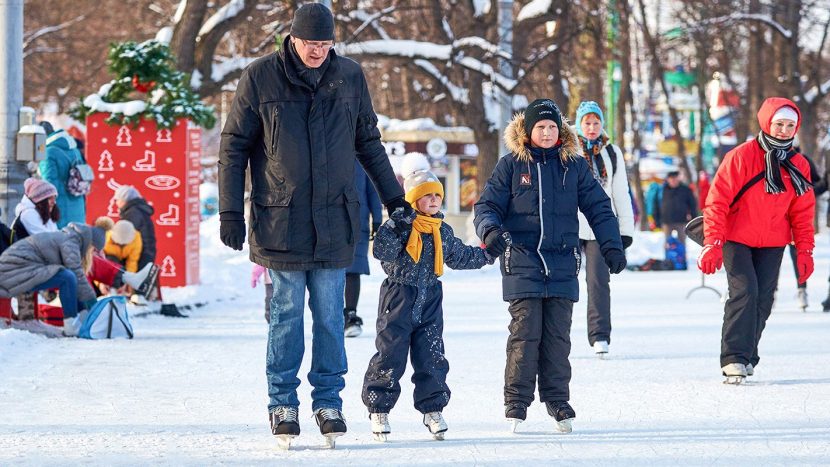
270	219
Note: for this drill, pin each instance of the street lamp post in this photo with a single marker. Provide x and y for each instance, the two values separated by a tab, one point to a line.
12	173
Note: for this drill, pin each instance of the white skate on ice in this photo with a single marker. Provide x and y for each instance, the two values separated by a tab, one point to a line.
802	299
436	425
735	373
601	349
380	426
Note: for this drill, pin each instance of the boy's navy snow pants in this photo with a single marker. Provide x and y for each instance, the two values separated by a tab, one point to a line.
539	345
397	334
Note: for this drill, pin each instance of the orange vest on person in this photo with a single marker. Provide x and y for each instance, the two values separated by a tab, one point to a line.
759	219
127	254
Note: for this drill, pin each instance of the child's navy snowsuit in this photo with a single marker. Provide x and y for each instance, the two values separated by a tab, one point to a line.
410	316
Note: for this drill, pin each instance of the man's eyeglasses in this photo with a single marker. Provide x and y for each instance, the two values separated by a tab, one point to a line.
311	45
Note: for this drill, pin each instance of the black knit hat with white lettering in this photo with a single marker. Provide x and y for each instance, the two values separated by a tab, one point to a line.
541	109
313	22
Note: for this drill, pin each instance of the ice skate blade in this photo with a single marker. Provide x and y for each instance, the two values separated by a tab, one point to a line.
331	440
284	441
565	426
734	380
353	331
602	355
380	437
514	424
438	436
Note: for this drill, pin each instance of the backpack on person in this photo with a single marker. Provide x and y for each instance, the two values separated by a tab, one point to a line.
107	319
79	181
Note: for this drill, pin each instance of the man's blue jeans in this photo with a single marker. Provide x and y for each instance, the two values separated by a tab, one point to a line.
286	342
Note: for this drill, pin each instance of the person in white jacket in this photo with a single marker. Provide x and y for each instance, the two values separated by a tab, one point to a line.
607	163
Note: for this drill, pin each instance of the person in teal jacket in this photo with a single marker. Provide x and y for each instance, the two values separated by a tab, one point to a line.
61	154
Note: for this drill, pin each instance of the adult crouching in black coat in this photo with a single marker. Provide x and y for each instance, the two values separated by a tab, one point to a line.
132	207
528	215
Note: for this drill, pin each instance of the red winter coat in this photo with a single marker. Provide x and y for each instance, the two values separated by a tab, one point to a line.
759	219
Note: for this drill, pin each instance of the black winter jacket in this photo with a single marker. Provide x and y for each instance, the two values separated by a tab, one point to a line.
138	212
544	258
677	205
301	144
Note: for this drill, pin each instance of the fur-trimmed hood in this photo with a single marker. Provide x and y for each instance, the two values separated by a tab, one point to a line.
515	139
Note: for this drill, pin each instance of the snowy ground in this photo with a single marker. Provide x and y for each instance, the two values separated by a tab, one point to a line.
192	391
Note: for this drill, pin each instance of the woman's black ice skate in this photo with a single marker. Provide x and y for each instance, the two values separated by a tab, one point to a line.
284	425
563	413
354	324
515	413
332	424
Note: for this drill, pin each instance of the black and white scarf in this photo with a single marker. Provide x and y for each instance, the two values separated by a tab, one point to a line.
776	156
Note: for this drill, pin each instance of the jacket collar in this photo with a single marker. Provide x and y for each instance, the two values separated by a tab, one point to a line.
291	72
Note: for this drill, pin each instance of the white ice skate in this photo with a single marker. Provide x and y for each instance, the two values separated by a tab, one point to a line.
380	426
735	373
601	349
802	299
436	425
750	370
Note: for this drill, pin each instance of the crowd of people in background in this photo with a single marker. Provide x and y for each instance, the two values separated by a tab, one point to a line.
49	247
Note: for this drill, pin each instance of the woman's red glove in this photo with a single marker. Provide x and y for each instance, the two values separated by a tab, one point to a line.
710	258
804	263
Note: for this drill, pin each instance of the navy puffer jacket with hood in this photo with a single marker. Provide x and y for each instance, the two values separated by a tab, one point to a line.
534	194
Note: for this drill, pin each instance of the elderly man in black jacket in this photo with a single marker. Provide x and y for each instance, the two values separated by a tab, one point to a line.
299	118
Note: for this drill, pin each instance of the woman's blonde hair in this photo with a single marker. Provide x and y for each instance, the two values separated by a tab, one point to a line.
86	261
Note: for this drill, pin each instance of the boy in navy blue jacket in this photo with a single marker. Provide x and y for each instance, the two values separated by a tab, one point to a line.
413	251
528	215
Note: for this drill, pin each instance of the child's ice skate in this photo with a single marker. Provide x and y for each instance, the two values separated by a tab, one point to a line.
563	413
380	426
515	413
284	425
436	425
353	323
735	373
332	424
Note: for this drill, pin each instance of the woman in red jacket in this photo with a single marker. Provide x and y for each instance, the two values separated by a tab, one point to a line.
749	237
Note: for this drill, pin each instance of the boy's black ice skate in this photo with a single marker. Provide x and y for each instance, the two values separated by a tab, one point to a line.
354	324
331	423
563	413
436	425
284	425
515	413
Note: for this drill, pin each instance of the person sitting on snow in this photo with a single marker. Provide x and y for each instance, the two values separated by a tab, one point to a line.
413	250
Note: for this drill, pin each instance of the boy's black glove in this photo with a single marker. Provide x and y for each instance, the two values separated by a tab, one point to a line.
232	229
399	203
615	259
497	241
627	241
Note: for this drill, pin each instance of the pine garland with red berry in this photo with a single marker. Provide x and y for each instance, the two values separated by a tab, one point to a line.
148	86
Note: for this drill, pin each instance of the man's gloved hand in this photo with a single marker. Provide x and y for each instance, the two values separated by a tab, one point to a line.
497	241
402	221
710	258
374	231
615	259
399	203
627	241
232	229
804	263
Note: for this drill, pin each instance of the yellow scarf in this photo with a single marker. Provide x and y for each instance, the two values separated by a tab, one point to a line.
426	224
